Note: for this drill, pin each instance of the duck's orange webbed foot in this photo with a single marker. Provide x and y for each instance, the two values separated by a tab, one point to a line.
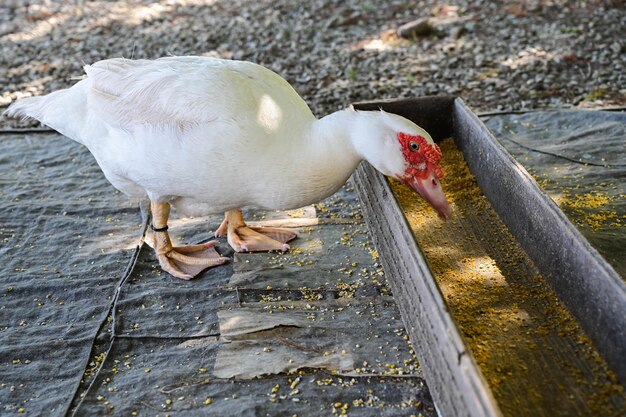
184	262
253	239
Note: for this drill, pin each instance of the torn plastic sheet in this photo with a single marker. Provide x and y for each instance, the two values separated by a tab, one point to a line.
342	335
173	377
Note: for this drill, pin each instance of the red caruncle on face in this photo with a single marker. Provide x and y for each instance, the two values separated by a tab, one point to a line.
421	156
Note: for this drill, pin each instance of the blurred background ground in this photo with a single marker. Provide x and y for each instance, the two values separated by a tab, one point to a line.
498	55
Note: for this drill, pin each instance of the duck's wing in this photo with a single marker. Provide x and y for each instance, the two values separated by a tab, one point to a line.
182	92
133	93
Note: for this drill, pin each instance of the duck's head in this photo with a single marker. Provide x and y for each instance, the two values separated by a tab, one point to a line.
401	149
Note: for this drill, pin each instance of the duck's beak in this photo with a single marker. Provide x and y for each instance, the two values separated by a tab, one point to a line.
430	189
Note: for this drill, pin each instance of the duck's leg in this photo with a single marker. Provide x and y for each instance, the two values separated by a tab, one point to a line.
253	239
184	262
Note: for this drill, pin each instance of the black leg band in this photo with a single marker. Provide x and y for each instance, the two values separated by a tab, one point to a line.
160	229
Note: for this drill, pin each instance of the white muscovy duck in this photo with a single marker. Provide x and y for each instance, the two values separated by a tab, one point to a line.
208	135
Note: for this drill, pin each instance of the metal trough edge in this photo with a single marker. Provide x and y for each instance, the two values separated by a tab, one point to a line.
581	278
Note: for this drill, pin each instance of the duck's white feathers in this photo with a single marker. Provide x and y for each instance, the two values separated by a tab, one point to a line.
53	110
184	92
204	134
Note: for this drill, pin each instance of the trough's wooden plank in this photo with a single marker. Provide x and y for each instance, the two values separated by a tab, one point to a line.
433	113
534	356
582	279
453	377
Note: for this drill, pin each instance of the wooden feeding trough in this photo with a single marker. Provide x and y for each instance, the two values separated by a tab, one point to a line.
482	295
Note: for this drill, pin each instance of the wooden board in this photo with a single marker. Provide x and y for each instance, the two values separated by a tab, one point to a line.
583	280
456	382
534	356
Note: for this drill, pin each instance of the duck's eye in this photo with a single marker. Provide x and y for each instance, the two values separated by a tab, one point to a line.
414	146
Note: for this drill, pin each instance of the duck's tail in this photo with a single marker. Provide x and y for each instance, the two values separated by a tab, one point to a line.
26	108
62	110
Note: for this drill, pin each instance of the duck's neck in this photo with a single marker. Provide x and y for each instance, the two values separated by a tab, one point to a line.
330	141
327	155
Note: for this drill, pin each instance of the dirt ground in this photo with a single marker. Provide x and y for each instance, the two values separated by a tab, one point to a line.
498	55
